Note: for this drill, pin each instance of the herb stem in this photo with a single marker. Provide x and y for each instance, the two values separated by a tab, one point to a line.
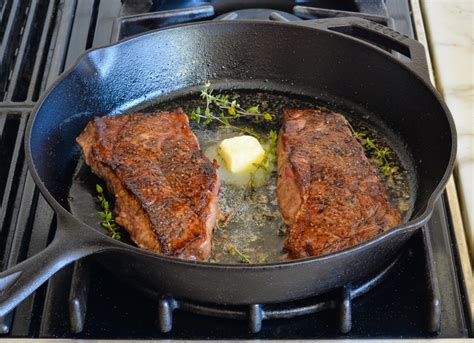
269	159
232	249
379	155
225	108
108	221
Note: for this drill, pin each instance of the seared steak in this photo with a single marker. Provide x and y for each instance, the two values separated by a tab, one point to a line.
328	194
166	190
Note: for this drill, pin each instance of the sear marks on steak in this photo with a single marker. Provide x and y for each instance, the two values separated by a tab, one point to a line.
328	194
166	190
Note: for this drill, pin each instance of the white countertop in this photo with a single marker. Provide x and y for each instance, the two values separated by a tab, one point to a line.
450	26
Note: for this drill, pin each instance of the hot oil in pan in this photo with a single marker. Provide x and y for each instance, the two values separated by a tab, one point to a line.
251	228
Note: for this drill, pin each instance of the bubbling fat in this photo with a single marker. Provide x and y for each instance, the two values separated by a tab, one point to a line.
251	223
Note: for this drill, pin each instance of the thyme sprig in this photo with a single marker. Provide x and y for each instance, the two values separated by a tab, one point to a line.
243	258
380	155
269	158
270	151
108	221
220	108
232	249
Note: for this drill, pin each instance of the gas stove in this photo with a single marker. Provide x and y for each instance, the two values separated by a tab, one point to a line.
420	295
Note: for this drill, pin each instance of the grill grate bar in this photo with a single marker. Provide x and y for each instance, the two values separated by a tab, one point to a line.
67	9
83	19
24	50
307	12
376	7
23	54
135	24
108	11
11	136
93	24
55	317
26	65
35	220
19	107
18	237
42	226
3	120
11	213
5	9
42	51
14	234
10	41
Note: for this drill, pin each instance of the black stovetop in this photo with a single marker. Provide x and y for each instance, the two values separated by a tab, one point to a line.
42	38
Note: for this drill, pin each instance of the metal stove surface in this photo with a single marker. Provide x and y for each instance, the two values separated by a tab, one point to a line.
420	297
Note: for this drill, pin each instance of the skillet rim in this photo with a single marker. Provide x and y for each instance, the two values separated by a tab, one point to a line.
410	225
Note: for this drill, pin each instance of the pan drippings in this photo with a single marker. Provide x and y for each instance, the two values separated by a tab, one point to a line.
251	229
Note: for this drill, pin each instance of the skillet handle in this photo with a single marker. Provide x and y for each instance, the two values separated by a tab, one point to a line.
18	282
380	36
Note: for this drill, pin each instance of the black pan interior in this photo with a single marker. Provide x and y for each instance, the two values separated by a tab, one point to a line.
341	72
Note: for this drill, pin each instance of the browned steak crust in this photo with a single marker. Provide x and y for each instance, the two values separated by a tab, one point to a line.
166	190
328	194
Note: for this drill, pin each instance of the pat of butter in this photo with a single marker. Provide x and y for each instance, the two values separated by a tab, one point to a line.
241	153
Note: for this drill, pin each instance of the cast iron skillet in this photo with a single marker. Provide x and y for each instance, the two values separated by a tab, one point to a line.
309	59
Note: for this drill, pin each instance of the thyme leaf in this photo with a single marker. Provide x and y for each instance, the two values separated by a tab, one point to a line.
380	155
269	158
219	108
243	258
108	221
232	249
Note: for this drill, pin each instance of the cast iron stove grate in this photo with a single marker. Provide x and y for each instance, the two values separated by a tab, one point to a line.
42	38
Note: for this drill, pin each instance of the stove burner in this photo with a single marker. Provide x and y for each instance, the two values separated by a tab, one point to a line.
258	14
339	300
135	23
